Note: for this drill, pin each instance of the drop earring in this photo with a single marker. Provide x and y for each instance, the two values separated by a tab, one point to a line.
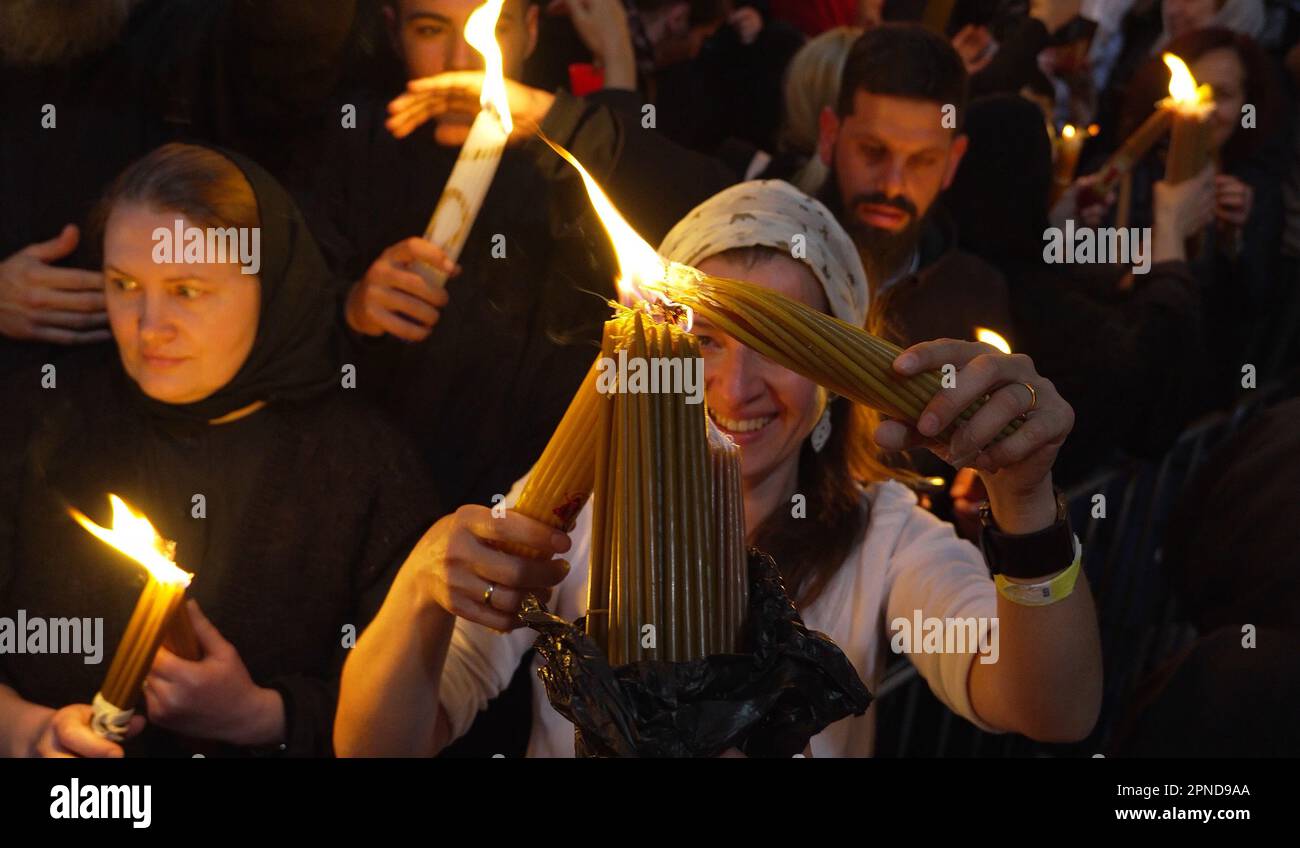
821	434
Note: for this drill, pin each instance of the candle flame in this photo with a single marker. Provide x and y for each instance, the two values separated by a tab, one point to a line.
984	334
1093	130
1068	131
481	34
1182	85
133	535
638	263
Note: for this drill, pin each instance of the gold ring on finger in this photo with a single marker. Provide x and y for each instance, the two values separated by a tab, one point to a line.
1033	397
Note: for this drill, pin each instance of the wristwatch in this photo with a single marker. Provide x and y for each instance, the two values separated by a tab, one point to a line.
1031	555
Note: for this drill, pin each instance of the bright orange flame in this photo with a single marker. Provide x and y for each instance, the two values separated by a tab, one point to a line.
1068	131
133	535
984	334
638	263
1093	130
1182	85
481	33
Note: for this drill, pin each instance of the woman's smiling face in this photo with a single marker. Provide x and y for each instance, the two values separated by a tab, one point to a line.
766	409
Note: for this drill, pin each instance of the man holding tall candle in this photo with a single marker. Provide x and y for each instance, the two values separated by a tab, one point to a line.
459	365
488	363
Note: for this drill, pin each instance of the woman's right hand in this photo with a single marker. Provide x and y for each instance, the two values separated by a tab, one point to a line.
66	732
457	560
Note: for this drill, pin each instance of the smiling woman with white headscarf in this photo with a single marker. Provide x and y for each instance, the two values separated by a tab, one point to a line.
855	549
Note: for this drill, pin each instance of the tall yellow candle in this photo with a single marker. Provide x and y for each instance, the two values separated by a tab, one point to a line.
1067	147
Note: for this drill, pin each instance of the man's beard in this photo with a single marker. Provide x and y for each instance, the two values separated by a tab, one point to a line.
883	251
43	33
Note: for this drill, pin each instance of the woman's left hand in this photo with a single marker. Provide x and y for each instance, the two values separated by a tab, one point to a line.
1017	471
214	697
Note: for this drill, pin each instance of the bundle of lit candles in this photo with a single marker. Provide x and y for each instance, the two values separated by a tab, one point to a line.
158	616
668	572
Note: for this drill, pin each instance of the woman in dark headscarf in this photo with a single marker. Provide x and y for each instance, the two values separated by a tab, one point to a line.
230	424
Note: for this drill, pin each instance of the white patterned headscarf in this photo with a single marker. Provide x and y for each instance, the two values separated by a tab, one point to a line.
771	213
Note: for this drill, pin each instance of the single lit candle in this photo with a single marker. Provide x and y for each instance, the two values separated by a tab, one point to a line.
1068	145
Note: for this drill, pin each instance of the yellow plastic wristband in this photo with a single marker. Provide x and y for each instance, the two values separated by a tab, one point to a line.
1047	592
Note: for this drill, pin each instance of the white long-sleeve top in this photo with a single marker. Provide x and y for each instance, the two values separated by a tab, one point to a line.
907	561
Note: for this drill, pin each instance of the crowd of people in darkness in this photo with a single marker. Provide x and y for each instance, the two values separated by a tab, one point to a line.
350	426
